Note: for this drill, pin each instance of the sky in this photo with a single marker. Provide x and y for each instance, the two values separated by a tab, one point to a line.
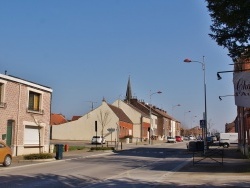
86	50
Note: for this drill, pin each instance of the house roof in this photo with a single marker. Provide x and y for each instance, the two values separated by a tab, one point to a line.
144	108
57	119
162	112
120	114
138	110
25	82
75	118
134	102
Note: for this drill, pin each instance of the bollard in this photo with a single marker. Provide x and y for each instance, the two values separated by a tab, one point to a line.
66	148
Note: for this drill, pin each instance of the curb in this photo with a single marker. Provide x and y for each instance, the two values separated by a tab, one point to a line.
37	160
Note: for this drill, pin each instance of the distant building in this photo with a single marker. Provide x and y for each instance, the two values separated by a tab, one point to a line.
107	116
162	124
75	118
230	128
57	119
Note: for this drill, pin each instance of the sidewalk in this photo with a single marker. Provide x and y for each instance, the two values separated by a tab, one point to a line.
235	172
18	161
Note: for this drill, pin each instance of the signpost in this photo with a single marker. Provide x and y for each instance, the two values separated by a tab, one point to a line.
96	133
202	124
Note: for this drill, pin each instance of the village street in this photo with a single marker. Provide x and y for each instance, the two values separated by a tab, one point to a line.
141	166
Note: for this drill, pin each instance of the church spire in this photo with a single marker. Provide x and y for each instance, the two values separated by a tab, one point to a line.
129	91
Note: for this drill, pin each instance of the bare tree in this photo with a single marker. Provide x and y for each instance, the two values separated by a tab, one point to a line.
210	124
104	119
39	124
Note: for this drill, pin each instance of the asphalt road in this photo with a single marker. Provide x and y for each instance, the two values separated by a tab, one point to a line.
140	166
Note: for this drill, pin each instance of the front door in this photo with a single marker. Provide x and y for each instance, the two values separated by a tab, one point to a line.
9	132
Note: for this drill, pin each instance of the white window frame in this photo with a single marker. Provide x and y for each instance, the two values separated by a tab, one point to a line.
2	99
26	138
40	111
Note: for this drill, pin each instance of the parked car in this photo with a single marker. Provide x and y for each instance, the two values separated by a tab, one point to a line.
191	137
171	139
179	138
5	154
98	140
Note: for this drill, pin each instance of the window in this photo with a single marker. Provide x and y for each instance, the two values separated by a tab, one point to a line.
34	101
1	92
31	135
2	104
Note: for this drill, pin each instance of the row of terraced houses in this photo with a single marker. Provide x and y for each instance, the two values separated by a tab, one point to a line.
128	118
25	118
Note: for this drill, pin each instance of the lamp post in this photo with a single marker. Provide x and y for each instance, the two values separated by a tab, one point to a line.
173	108
192	120
150	114
220	97
205	100
185	116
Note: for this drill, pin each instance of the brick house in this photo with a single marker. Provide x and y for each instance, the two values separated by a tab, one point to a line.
242	122
25	109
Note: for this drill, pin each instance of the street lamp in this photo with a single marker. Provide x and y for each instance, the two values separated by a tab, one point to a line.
220	97
192	120
185	116
205	99
150	113
173	108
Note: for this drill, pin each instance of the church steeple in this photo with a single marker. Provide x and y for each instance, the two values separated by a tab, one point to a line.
129	91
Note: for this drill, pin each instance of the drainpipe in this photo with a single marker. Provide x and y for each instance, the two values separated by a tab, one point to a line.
18	116
50	126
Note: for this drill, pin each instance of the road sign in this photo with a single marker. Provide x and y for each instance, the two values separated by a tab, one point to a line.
111	130
202	123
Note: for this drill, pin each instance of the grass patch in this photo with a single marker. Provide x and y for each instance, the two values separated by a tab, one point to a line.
101	148
38	156
72	148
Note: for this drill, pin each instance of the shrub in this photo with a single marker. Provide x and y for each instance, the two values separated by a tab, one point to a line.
38	156
128	136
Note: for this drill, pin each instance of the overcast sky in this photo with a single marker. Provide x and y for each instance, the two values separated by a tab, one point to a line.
87	49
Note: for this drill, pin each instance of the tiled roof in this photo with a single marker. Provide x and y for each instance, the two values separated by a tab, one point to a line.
143	107
138	110
139	106
57	119
120	114
162	112
75	118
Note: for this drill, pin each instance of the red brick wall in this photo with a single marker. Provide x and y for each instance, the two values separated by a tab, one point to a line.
124	129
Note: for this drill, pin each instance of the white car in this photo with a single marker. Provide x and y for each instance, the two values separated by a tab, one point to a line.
98	140
191	137
171	139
